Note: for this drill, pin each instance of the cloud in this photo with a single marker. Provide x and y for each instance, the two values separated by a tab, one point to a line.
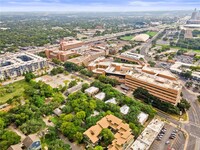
97	5
165	3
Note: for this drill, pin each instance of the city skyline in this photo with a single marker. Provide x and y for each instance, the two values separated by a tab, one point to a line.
97	5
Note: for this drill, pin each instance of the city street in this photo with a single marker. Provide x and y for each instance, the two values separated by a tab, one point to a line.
193	127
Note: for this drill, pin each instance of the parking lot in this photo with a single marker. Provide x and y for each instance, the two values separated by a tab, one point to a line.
165	143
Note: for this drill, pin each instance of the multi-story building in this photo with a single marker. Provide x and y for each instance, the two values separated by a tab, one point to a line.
60	55
158	82
195	18
180	67
132	57
70	44
88	55
14	65
81	55
123	135
145	140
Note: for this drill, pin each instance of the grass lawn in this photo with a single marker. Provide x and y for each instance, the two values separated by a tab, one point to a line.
151	33
11	90
54	120
197	51
176	47
127	38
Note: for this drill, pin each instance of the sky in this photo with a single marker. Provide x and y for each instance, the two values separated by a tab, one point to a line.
98	5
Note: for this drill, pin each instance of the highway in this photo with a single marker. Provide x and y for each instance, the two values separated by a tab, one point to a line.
147	46
98	38
114	35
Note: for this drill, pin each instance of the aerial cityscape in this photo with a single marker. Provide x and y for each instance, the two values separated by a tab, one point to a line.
99	75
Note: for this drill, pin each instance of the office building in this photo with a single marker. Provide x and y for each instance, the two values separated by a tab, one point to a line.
70	44
160	83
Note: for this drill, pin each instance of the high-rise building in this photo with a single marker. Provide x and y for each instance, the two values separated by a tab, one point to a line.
195	18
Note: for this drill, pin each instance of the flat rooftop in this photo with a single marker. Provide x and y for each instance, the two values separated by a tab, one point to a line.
124	109
18	59
100	96
71	42
159	77
149	134
132	55
112	100
92	90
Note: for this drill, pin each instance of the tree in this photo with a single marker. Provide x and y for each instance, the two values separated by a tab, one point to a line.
184	105
68	117
72	83
86	72
32	126
188	84
80	115
8	138
107	136
52	134
187	74
2	124
148	98
38	100
29	76
107	80
135	129
68	129
78	137
57	70
98	148
72	67
58	144
56	61
152	64
85	86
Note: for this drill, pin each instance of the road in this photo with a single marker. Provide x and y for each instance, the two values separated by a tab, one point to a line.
99	38
114	35
146	47
193	125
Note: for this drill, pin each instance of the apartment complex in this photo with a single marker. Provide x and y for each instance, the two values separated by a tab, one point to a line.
14	65
158	82
122	133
